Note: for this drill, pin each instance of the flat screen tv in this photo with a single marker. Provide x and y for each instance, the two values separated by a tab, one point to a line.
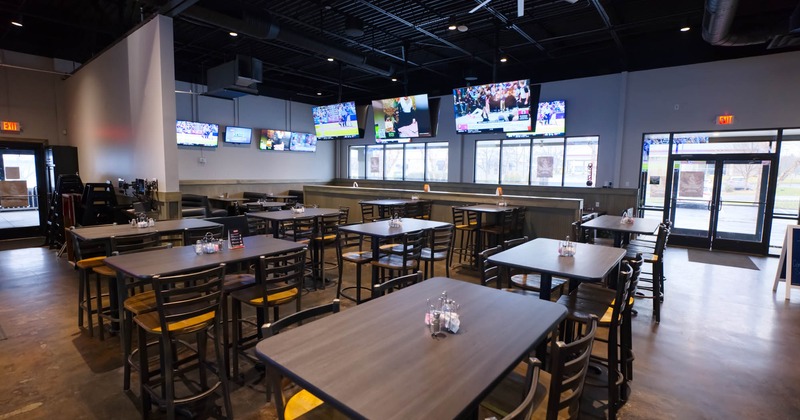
404	116
197	134
550	121
337	121
303	142
274	139
238	135
495	107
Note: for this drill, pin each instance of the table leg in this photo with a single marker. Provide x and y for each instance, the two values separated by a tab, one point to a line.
375	254
274	376
546	283
118	288
275	225
478	239
617	239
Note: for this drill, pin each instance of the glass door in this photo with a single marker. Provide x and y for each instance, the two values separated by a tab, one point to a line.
692	202
720	202
21	183
741	204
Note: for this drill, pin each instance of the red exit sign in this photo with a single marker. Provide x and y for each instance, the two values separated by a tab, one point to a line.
724	119
12	126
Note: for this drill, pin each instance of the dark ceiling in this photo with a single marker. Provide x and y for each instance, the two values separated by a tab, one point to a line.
408	40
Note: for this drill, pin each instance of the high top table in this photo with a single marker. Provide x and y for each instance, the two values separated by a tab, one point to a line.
386	203
590	262
481	209
144	265
162	226
380	361
622	231
276	217
381	230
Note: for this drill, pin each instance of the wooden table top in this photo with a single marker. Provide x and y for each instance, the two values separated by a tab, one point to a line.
378	360
486	208
591	262
392	201
162	226
381	228
182	259
614	224
289	215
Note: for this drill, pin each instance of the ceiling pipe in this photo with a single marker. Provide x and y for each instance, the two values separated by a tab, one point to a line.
271	30
718	20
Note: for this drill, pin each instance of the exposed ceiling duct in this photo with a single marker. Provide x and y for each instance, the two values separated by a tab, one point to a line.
269	29
719	28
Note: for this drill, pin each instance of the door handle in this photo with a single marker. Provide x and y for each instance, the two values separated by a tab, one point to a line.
710	204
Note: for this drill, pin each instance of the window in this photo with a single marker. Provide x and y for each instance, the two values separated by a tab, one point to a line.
581	159
374	162
415	162
400	162
357	163
394	162
436	162
516	158
557	162
487	162
547	164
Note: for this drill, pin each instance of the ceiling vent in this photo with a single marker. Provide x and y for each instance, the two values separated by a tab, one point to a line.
235	78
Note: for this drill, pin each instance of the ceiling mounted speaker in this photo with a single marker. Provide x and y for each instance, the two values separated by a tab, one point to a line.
353	26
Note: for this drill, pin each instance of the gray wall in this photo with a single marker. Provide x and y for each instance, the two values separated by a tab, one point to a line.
247	162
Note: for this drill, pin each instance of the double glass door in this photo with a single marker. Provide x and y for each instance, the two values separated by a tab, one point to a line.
720	202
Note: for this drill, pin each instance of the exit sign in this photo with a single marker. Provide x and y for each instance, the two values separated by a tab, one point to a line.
724	119
12	126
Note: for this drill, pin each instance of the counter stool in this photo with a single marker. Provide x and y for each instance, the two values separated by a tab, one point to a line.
88	256
466	223
350	248
186	304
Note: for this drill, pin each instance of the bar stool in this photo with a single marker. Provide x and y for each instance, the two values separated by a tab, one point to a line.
439	249
186	304
466	223
88	256
350	248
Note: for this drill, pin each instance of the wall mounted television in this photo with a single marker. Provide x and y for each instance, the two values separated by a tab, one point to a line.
190	133
495	107
274	139
303	142
337	121
238	135
550	121
403	116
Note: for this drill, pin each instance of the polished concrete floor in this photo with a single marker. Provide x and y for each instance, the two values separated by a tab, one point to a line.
725	349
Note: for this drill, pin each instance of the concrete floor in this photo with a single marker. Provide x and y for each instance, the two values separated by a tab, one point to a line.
725	348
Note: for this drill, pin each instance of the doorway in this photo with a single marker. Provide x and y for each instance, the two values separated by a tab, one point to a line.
23	204
720	201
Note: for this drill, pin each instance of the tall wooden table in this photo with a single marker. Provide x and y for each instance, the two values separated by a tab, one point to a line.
482	209
162	226
622	231
382	230
144	265
276	217
590	263
386	203
380	361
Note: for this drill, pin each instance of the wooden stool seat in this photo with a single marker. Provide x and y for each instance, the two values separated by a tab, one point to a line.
87	263
533	282
151	323
254	296
141	303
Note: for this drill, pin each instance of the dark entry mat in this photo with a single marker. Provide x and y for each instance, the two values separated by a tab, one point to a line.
721	258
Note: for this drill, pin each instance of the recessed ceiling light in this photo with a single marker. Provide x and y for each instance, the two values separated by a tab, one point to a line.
503	59
462	27
233	34
17	22
319	93
452	26
685	29
394	79
330	58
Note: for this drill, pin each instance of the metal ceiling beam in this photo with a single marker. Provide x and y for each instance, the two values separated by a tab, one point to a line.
607	21
505	21
173	8
421	30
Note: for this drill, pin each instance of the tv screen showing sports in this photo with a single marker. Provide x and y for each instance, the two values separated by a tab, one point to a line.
197	134
495	107
550	121
404	116
238	135
274	140
336	121
303	142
